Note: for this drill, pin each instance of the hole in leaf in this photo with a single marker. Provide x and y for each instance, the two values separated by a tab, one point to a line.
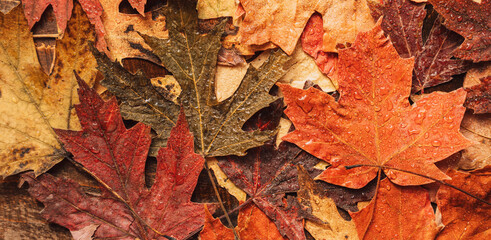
150	171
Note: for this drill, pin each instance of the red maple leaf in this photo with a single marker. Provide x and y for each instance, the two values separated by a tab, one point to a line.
373	123
115	156
471	20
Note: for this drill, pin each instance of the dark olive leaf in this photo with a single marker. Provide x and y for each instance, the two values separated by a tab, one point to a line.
192	57
140	100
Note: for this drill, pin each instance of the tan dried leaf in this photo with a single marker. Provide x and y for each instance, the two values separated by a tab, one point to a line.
324	208
216	8
477	128
122	30
282	22
31	103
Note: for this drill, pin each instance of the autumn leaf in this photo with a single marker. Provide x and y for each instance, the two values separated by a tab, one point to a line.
312	44
266	174
476	128
252	224
31	103
33	11
470	19
323	207
145	102
115	156
403	23
285	26
191	57
121	30
397	213
465	217
373	123
479	96
216	8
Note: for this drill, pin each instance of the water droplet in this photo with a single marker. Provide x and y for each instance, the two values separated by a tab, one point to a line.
377	108
384	90
94	149
459	18
357	95
414	131
111	126
436	143
390	106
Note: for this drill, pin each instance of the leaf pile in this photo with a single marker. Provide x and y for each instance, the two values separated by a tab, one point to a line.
142	98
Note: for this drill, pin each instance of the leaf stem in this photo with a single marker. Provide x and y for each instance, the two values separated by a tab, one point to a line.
421	175
210	176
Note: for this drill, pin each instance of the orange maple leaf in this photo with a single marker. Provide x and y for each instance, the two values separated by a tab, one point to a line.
372	125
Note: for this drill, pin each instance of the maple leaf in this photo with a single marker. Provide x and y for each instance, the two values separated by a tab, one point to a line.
323	207
469	19
266	173
191	57
115	156
388	214
479	97
31	103
252	224
373	123
143	103
465	217
403	23
286	24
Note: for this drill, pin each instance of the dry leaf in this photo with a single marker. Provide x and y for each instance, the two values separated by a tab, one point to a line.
476	128
284	27
216	8
123	40
333	226
31	103
302	68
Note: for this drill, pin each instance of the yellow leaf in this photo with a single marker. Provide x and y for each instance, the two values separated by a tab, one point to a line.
31	103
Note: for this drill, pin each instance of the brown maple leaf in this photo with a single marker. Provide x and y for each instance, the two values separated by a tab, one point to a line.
115	156
465	217
471	20
479	96
373	123
403	23
268	172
